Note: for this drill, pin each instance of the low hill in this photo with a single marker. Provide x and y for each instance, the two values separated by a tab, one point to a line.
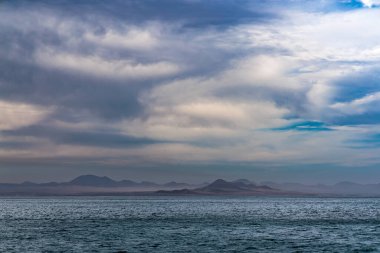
222	187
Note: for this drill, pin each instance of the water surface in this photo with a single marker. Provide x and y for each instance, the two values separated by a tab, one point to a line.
189	224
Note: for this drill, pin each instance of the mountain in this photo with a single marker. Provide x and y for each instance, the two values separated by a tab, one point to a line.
222	187
102	185
87	184
95	181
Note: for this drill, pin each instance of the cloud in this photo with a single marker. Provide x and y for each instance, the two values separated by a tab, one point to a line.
313	126
83	138
15	115
188	81
96	66
205	120
134	39
361	105
58	61
315	36
370	3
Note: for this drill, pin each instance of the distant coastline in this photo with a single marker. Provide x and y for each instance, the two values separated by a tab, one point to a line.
91	185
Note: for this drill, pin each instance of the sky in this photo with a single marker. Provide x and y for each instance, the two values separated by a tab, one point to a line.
189	90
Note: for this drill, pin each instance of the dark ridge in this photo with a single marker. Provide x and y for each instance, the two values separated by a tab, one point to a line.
91	180
221	185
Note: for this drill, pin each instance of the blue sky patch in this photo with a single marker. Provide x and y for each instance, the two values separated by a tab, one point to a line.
312	126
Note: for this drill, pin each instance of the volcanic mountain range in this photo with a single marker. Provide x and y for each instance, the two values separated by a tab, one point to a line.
222	187
96	185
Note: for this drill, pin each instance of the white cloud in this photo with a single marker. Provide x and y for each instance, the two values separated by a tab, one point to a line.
310	51
14	115
205	119
262	70
319	97
95	65
136	39
370	3
367	103
342	36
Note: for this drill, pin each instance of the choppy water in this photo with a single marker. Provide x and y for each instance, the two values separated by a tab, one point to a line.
189	224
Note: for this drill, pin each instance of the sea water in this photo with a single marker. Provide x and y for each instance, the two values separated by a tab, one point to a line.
189	224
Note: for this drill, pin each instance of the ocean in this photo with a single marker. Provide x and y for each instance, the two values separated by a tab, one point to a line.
189	224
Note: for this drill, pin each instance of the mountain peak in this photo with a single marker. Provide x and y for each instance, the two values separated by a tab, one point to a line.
222	184
219	182
92	180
